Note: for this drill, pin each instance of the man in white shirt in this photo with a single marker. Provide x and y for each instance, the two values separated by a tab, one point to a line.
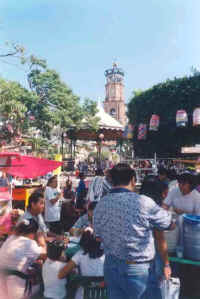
53	206
184	199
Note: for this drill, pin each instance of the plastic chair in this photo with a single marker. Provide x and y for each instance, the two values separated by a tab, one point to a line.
92	286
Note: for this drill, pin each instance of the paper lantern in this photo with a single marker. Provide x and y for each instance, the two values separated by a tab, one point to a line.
196	117
128	132
154	122
142	131
181	118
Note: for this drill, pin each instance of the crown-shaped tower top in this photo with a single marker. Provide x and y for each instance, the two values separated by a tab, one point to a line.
115	74
114	103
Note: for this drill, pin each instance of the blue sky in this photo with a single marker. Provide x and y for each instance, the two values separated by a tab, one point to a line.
152	40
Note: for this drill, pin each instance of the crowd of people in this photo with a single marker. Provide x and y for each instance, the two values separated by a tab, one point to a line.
120	232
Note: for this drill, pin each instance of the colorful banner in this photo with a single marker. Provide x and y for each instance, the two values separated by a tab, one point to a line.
142	131
154	122
181	118
128	131
196	117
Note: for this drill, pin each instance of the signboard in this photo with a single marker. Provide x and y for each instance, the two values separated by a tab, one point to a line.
57	171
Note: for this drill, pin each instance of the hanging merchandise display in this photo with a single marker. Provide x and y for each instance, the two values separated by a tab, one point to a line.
181	118
142	131
196	117
154	122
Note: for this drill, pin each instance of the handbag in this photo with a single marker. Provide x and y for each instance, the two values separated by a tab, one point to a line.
170	289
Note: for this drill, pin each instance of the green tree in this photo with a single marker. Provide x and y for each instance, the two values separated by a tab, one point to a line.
165	99
57	105
13	111
89	108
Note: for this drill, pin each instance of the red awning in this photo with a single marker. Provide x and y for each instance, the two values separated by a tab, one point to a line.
26	167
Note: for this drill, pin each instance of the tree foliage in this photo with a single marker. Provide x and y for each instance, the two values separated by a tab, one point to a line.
165	99
13	111
49	104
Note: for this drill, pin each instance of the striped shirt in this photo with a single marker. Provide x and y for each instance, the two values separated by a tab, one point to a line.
98	188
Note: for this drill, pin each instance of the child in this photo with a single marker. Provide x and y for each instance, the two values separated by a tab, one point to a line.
53	286
90	259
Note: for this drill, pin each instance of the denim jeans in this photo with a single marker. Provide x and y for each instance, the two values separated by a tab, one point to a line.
125	281
153	290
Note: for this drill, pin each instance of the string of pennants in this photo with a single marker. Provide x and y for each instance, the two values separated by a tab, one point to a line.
181	121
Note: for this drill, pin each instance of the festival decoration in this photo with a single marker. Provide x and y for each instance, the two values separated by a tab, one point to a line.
154	122
128	131
142	131
181	118
196	117
26	167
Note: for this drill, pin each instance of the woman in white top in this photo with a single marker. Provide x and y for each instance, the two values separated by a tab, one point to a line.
90	259
53	205
18	252
184	199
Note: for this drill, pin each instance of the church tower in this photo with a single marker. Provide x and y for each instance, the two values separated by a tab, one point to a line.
114	103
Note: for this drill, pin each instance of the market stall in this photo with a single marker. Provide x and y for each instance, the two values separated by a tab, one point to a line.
25	167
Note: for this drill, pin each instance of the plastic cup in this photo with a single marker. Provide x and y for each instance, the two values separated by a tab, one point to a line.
179	252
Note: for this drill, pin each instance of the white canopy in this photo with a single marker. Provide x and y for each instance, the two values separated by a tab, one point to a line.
106	120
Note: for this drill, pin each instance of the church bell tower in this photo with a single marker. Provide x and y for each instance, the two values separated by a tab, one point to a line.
114	103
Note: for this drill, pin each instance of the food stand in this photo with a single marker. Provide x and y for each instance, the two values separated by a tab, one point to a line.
25	167
20	195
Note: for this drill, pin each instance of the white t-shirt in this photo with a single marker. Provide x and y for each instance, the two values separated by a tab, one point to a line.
52	212
88	267
189	204
53	286
18	253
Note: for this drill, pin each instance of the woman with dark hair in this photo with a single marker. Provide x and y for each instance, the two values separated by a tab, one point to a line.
184	199
18	252
157	190
90	259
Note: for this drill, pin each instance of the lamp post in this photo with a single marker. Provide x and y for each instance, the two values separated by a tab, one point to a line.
63	136
99	147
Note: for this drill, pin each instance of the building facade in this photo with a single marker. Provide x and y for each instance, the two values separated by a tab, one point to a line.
114	103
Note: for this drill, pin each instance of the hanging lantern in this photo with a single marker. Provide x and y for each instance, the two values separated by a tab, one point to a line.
142	131
181	118
31	117
154	122
196	117
128	132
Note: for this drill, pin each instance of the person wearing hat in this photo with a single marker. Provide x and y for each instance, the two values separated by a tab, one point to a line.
184	199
